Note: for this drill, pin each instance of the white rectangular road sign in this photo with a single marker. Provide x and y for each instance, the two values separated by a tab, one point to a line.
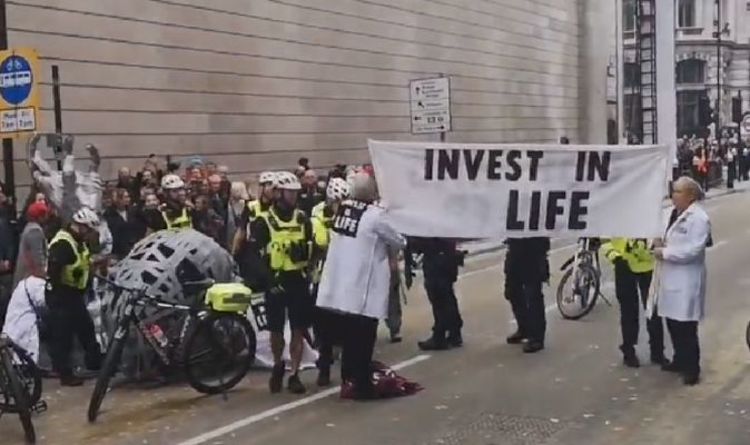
430	105
21	119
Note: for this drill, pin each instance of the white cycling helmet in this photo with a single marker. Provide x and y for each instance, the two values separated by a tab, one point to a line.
268	178
287	181
172	182
86	217
337	190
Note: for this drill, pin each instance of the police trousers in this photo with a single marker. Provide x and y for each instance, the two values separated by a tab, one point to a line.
632	291
527	302
69	319
438	283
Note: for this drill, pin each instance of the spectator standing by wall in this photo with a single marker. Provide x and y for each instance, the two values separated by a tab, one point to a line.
238	199
32	249
123	223
310	195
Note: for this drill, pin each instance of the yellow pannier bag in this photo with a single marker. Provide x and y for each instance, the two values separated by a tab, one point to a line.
229	297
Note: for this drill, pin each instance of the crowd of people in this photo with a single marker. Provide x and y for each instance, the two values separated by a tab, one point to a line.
324	254
696	156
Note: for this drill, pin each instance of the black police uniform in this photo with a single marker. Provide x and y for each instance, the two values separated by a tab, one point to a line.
526	269
440	265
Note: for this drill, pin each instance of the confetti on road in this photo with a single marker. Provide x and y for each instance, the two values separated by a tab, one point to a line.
554	420
330	425
441	407
588	416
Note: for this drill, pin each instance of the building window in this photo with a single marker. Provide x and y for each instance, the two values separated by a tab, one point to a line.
686	14
691	71
628	15
632	75
688	111
633	117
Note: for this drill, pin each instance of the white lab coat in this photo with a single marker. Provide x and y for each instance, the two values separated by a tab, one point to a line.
357	275
20	322
682	278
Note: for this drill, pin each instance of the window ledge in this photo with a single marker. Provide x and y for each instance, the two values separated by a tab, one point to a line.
690	30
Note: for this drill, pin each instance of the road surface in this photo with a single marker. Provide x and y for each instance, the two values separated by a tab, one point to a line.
574	392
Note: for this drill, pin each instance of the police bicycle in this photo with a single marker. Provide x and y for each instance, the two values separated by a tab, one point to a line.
20	385
215	343
580	285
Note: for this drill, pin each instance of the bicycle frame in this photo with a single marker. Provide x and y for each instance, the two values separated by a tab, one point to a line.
130	316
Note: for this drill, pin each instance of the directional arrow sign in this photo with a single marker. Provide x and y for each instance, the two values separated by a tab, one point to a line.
430	105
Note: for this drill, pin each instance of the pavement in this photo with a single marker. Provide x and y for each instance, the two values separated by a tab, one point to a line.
487	393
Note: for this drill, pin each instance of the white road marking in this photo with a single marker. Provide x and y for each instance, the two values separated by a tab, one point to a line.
255	418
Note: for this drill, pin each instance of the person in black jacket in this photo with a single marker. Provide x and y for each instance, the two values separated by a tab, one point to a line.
124	223
526	269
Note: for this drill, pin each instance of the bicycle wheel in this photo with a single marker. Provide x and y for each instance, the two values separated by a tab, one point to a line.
218	352
114	352
577	293
18	393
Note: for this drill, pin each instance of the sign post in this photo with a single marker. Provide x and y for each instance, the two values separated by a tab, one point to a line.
430	103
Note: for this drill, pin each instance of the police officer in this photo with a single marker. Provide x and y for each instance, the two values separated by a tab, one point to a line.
440	264
174	213
254	209
281	239
634	265
322	220
526	269
69	272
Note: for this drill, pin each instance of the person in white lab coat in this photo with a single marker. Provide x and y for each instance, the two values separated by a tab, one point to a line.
356	279
25	307
682	285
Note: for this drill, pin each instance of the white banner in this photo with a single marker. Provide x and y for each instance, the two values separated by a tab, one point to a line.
496	191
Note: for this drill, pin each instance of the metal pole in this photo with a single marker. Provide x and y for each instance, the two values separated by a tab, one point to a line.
58	111
10	177
719	31
620	51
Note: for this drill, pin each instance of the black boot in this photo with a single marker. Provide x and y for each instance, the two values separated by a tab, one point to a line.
434	343
455	339
516	338
691	378
277	378
324	376
631	360
533	346
657	358
671	366
295	385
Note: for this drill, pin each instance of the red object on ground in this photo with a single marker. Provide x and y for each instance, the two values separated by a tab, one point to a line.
387	384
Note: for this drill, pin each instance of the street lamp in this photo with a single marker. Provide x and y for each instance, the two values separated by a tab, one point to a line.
717	35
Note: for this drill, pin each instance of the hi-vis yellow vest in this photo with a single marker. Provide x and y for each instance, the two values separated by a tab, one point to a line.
321	226
181	222
634	251
74	275
288	250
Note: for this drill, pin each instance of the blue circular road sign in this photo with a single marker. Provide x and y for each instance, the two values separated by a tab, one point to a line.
16	79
